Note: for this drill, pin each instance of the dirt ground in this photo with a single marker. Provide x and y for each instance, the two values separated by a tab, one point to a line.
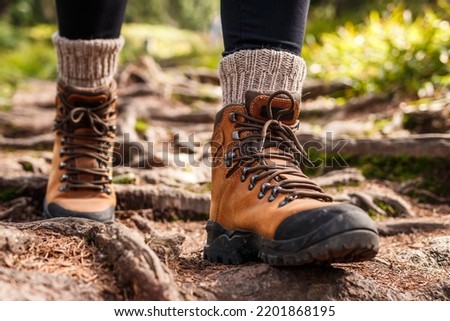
153	250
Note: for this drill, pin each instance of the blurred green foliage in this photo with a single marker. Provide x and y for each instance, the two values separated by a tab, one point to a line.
394	51
189	14
385	47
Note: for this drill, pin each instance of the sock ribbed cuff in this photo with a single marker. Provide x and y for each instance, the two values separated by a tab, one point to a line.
87	63
260	70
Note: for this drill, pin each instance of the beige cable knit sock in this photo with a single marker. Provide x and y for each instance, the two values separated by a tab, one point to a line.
87	63
260	70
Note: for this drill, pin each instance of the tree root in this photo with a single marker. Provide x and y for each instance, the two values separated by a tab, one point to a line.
135	266
367	201
411	225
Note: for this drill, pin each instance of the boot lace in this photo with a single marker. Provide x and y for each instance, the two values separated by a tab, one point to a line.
95	144
259	144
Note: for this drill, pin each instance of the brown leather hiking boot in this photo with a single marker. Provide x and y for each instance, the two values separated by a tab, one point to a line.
263	206
79	184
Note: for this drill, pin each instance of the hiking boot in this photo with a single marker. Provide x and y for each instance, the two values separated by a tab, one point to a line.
262	204
80	181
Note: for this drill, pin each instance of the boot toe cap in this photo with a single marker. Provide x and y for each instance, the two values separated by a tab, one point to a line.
324	222
53	210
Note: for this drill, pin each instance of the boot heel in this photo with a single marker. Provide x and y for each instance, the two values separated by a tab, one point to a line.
228	247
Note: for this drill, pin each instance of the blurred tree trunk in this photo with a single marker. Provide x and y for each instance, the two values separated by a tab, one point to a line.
4	4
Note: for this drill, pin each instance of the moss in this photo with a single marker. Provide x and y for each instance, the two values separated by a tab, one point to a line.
8	194
90	239
128	178
401	168
434	172
141	126
27	166
390	211
374	215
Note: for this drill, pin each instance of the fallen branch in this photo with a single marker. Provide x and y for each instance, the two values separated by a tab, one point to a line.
425	145
44	141
415	225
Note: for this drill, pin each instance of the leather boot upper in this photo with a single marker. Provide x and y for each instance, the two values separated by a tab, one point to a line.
257	182
80	180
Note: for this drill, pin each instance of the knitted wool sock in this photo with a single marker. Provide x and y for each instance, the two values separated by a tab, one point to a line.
260	70
87	63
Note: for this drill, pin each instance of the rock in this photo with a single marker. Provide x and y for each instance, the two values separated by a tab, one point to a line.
434	253
440	250
18	285
298	284
14	240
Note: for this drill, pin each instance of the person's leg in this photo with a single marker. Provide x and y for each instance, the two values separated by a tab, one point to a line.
87	45
262	42
88	42
96	19
262	205
256	24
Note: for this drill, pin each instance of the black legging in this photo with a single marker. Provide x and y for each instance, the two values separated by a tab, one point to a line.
90	19
246	24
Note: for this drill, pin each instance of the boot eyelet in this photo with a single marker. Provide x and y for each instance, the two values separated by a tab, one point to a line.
229	158
274	194
63	140
285	201
63	178
62	165
262	193
244	174
113	128
235	135
230	155
232	117
62	152
228	161
63	188
107	190
252	183
110	178
264	186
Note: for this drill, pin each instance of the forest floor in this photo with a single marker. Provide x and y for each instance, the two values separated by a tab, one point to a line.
153	250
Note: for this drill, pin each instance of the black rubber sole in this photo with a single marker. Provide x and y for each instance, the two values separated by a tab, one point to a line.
238	247
58	211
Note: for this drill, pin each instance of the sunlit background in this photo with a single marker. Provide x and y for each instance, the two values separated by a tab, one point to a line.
374	46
